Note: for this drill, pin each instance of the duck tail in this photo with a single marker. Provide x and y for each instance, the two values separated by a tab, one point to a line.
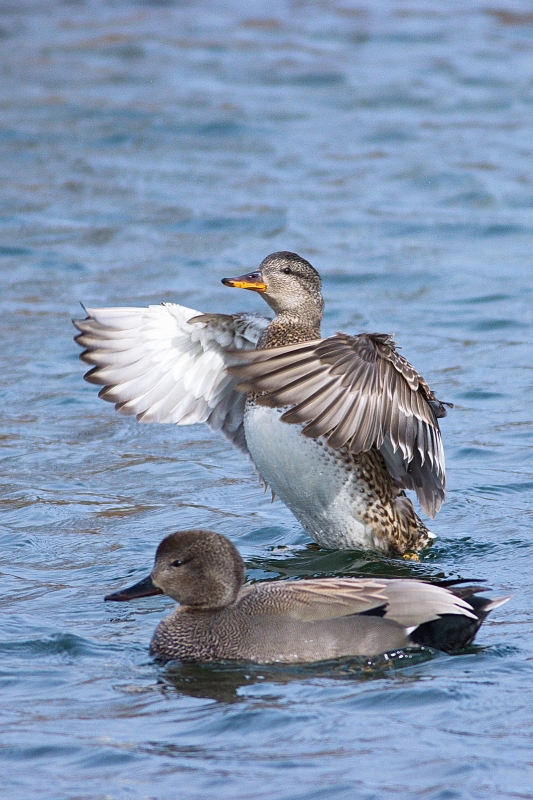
452	632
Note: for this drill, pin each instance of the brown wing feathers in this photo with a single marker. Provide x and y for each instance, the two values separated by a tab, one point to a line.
357	391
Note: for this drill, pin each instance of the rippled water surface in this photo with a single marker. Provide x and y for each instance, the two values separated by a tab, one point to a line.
147	150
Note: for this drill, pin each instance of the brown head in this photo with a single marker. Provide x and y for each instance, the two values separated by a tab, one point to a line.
289	284
196	568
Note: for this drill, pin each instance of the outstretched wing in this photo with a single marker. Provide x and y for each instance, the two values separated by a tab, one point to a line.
358	392
168	363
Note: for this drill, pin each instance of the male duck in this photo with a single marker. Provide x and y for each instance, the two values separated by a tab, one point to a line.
364	421
294	621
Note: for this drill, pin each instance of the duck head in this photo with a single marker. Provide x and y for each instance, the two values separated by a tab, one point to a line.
288	283
197	568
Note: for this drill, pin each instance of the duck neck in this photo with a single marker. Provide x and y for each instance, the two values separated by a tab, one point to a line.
287	328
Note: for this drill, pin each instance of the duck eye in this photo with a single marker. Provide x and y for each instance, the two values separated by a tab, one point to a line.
287	271
176	563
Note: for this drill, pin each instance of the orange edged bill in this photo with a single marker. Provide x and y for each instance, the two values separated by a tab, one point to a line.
252	280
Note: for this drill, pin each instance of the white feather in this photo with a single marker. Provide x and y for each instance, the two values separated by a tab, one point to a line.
159	366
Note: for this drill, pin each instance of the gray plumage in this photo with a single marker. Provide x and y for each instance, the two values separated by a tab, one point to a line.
289	621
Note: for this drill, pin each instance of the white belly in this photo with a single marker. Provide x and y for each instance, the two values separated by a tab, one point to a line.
322	491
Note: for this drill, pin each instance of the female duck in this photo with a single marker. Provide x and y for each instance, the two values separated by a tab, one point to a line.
293	621
364	422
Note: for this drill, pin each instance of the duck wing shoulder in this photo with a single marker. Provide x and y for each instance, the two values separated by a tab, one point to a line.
359	393
313	600
409	602
169	363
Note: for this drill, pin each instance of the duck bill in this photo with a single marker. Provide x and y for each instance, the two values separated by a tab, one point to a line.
145	588
252	280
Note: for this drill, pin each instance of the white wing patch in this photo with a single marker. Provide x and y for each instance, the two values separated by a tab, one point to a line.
168	363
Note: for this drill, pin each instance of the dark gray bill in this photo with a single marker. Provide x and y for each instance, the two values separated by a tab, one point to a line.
144	588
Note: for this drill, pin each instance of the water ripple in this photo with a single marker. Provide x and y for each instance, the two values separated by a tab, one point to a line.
148	150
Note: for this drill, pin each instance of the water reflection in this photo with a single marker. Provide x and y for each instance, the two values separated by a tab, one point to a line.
223	682
314	562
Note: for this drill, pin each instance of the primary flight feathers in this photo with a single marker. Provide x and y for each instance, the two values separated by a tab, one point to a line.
168	363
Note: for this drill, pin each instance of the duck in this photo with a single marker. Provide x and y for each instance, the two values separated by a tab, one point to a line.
294	621
337	427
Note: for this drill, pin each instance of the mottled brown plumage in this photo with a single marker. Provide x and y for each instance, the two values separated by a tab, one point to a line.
292	621
337	427
355	395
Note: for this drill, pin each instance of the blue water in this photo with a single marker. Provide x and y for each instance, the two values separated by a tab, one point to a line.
148	149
